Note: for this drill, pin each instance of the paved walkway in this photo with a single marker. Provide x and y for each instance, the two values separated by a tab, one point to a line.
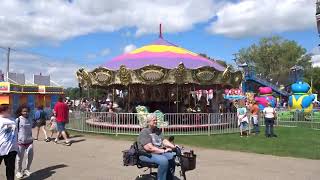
100	158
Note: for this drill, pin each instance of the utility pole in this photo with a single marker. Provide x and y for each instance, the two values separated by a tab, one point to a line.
8	60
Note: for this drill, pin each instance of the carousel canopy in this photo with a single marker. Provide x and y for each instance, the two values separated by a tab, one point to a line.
161	53
160	62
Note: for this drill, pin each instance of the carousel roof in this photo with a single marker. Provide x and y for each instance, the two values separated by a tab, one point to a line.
161	53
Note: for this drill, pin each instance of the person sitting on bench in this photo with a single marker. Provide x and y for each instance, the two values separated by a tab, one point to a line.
151	140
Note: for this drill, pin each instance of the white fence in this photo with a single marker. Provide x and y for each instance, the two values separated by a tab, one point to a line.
178	123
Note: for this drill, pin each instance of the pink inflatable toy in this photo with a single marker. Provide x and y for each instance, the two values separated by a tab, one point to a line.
265	98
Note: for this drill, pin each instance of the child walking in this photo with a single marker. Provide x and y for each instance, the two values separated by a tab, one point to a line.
53	124
25	141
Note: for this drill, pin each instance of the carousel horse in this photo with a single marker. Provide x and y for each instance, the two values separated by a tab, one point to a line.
142	117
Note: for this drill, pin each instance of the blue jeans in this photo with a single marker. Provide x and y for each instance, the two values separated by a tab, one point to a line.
269	122
166	164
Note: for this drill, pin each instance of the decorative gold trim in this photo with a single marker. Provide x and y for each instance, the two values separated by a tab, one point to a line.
125	76
102	75
152	74
204	74
180	73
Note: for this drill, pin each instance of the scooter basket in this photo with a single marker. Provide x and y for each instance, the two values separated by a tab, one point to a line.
188	161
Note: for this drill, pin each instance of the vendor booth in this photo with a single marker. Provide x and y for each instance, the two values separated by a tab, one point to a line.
32	95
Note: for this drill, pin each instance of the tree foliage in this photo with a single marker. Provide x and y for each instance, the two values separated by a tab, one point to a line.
74	93
223	63
314	75
273	57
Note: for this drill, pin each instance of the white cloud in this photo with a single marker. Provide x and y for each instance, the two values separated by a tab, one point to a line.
315	60
101	53
23	23
128	48
259	17
61	72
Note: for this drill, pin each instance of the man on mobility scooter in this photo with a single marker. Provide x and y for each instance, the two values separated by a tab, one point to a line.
153	151
151	141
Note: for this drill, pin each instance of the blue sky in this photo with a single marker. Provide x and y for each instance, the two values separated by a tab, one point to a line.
57	41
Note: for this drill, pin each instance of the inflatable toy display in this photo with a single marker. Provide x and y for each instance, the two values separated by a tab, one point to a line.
265	98
301	99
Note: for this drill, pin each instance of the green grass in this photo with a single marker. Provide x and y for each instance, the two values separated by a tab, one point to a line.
293	142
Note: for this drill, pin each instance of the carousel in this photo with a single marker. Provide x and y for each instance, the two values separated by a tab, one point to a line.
161	76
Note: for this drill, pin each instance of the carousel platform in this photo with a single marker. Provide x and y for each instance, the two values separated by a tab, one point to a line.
113	125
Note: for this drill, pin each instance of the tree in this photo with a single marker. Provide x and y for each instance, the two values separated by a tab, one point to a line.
273	57
74	93
314	75
223	63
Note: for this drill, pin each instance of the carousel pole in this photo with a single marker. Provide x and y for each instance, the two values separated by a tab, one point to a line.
113	94
129	97
169	94
177	99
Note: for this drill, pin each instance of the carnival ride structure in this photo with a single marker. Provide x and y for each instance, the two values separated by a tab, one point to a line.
160	72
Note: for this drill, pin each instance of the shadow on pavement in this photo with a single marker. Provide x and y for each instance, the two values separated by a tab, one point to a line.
45	172
76	141
75	136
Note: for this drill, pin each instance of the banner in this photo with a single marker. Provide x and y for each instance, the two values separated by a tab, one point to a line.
4	87
31	102
4	99
54	100
15	103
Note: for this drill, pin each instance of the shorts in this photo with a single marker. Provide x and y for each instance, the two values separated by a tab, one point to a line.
40	122
244	126
61	126
255	119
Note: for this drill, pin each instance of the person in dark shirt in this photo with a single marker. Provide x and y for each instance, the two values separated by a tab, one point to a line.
151	140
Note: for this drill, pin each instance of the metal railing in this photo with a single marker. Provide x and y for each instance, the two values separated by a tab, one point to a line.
179	123
130	123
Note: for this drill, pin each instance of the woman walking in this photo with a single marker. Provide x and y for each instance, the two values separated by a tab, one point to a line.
25	141
269	118
8	140
40	117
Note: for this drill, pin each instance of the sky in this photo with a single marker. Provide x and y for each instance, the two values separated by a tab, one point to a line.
58	37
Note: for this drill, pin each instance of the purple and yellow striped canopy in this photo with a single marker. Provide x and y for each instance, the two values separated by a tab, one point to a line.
161	53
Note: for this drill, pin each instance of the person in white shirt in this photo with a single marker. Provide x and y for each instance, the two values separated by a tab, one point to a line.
269	118
25	141
243	120
8	140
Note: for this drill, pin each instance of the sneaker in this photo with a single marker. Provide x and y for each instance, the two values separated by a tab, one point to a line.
19	175
56	141
27	172
47	140
68	143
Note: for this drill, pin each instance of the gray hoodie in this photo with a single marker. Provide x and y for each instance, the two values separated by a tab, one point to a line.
24	130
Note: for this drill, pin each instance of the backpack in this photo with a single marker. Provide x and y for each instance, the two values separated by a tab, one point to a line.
130	156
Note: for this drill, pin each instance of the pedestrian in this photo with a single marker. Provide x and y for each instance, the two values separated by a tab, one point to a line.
269	117
25	141
243	119
62	117
8	140
53	124
255	111
40	117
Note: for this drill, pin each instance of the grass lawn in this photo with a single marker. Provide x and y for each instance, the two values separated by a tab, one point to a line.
293	142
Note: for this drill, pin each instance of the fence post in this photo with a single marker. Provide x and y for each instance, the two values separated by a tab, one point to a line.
82	121
209	115
117	124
